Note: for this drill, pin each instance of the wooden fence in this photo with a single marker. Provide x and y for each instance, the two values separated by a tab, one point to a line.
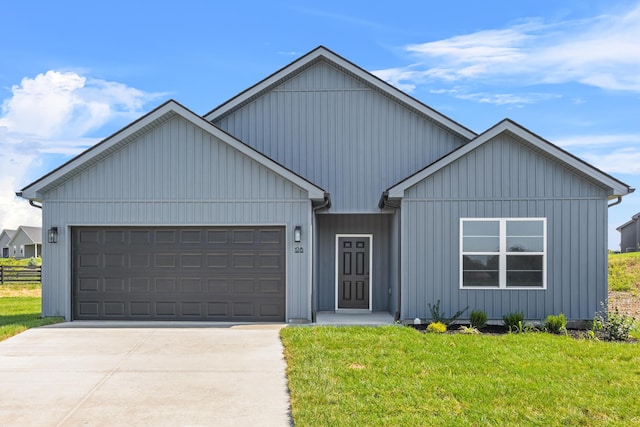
12	273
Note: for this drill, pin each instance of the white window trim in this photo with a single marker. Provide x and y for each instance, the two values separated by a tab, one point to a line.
502	281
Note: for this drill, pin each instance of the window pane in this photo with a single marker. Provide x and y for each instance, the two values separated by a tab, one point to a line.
480	244
525	244
525	228
481	228
523	279
524	262
487	279
480	270
524	271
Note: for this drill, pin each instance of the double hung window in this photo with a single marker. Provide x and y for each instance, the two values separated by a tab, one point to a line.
503	253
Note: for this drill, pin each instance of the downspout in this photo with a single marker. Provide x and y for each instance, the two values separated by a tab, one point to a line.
617	202
326	203
31	202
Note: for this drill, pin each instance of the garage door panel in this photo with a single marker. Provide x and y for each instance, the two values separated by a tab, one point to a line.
214	273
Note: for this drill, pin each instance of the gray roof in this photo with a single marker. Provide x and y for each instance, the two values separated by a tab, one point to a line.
33	233
9	233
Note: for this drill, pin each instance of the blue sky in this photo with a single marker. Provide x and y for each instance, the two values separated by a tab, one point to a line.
71	74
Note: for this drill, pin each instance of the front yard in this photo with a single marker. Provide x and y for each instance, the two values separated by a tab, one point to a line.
20	309
397	376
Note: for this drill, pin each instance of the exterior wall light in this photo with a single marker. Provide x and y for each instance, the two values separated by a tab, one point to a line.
52	235
297	234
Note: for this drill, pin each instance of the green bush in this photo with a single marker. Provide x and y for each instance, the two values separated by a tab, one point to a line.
615	326
437	327
439	316
555	324
478	318
512	320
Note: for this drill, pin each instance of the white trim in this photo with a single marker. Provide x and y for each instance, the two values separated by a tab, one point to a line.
502	253
337	258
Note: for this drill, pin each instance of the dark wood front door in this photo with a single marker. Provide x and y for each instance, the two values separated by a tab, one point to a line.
353	271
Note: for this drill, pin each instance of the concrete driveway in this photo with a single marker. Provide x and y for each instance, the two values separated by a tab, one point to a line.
160	375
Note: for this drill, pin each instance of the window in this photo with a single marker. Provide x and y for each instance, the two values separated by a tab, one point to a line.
503	253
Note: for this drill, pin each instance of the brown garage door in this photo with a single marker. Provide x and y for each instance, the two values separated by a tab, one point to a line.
186	273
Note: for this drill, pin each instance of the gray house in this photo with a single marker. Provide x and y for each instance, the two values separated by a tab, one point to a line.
630	234
322	188
5	237
25	243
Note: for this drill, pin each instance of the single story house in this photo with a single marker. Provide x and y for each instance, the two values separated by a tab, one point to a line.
26	242
630	234
5	237
322	188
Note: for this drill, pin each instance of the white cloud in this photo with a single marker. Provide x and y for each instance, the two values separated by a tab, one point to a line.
602	140
623	161
51	114
602	51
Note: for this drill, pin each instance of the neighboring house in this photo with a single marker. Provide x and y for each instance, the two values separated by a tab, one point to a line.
630	234
5	237
26	242
322	188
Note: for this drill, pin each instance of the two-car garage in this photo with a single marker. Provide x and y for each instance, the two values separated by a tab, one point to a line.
178	273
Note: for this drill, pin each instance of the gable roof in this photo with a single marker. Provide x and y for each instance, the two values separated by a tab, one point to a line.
321	53
8	233
34	234
164	112
617	188
631	221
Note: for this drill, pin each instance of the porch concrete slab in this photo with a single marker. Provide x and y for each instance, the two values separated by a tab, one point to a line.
68	376
368	318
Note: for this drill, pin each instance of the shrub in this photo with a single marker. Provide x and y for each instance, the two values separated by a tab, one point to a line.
616	326
437	327
555	324
438	316
512	320
478	318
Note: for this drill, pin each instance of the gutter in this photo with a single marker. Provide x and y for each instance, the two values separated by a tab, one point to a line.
326	203
31	202
617	202
384	201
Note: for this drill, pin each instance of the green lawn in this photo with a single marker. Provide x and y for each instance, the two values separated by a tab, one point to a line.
396	376
624	272
20	309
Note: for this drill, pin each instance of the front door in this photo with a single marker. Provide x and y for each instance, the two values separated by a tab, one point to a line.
353	267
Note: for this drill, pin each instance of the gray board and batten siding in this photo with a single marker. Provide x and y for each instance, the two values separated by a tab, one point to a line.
173	173
340	133
385	261
505	178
